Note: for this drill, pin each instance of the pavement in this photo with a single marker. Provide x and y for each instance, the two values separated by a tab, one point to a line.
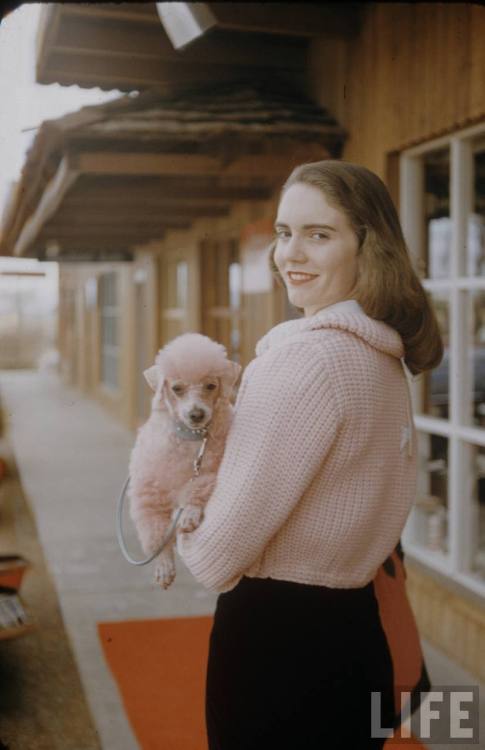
72	458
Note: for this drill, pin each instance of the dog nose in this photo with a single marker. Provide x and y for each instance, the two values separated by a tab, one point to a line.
196	415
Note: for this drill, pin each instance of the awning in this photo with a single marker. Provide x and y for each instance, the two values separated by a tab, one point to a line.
108	178
124	45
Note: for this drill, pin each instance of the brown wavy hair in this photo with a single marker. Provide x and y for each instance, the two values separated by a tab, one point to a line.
387	286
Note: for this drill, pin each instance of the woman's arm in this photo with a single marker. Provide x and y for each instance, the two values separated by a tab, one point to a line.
286	420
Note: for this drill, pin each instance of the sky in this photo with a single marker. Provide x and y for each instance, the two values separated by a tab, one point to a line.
23	102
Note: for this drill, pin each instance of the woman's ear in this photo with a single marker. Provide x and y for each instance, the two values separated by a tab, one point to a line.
152	376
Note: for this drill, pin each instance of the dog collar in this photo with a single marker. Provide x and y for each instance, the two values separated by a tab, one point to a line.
187	433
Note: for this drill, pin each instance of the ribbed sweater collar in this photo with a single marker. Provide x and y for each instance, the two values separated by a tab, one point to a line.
347	315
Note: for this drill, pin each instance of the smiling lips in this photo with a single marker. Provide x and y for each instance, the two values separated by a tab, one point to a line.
300	278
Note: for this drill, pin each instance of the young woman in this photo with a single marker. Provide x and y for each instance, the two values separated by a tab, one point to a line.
301	535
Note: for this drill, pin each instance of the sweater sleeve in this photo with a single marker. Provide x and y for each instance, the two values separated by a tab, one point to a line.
286	420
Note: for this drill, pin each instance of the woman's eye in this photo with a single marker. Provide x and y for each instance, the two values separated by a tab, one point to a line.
319	236
282	234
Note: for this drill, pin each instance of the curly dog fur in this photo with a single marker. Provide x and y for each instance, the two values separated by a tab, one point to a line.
193	383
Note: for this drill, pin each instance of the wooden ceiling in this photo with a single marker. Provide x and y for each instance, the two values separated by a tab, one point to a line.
116	212
124	46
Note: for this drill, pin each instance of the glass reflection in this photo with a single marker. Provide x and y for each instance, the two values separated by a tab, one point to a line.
473	366
475	527
428	520
437	214
435	389
476	220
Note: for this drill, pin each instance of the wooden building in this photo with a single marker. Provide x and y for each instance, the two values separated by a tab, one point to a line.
161	206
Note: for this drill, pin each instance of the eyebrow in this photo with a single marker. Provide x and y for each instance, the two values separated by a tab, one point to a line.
306	226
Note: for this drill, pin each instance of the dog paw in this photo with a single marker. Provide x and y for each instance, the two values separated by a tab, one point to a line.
191	518
164	573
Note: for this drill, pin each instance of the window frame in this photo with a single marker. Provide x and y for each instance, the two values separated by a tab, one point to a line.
411	198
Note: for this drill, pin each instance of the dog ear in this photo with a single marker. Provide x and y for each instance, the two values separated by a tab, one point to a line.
152	376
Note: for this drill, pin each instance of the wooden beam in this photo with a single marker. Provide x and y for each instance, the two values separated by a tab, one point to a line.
290	19
106	203
109	223
129	215
61	232
130	12
46	36
248	166
136	230
124	45
94	256
111	189
47	206
135	72
86	255
86	35
304	19
79	245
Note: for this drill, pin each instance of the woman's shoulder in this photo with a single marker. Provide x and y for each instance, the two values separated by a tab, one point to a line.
300	347
309	345
297	364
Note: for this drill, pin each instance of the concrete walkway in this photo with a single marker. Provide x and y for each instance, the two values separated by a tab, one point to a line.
72	458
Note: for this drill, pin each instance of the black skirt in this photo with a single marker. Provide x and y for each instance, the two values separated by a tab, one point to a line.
293	665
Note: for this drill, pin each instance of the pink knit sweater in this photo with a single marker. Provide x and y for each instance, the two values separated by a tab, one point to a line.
319	470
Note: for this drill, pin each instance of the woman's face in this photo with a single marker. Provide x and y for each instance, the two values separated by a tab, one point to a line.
317	239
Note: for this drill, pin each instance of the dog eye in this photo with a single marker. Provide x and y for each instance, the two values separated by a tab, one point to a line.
211	386
177	388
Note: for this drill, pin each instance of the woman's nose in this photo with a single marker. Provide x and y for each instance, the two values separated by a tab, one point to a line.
295	248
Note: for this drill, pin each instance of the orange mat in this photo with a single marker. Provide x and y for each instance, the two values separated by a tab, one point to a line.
160	666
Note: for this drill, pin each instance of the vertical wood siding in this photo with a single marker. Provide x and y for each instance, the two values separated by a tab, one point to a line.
416	71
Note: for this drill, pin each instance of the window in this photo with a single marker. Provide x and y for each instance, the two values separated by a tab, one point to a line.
109	329
221	283
443	218
181	284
